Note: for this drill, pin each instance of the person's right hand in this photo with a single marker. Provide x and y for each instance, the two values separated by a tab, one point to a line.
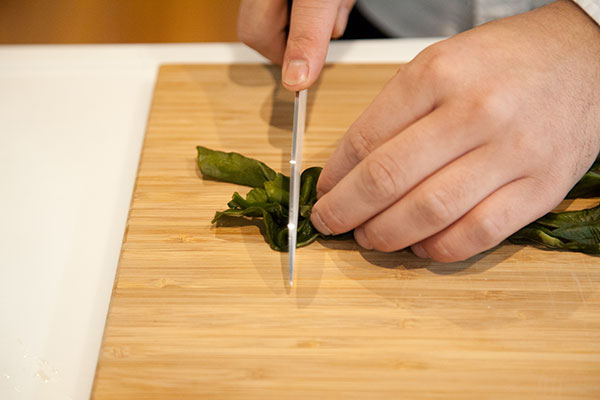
262	25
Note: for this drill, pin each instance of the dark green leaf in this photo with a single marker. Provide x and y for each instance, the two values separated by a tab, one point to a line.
568	219
569	230
278	189
273	231
306	233
586	234
233	168
308	186
588	185
255	196
268	200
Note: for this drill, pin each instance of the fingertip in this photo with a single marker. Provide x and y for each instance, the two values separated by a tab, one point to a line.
296	77
311	25
295	74
317	221
419	251
362	239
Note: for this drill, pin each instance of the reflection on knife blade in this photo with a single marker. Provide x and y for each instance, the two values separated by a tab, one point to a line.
295	170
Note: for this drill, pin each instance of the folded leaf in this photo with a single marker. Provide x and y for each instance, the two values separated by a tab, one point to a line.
269	199
308	186
569	230
588	185
233	168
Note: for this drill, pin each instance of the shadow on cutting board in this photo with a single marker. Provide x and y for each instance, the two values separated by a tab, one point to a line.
278	108
277	111
487	291
405	260
307	281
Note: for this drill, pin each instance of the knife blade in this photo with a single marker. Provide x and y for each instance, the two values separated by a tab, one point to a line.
295	171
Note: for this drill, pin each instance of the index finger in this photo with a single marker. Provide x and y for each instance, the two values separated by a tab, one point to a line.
403	101
311	26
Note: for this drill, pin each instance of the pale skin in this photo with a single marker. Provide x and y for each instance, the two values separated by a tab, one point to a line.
476	137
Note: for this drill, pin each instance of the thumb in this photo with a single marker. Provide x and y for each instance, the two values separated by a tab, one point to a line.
311	26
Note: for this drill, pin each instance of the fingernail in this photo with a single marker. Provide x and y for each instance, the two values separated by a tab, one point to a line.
296	72
361	238
419	251
316	220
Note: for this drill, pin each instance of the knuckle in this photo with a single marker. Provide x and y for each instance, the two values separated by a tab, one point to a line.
486	233
361	143
434	209
436	50
303	41
491	106
433	64
378	178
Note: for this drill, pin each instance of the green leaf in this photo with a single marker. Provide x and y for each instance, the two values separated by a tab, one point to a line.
306	233
535	233
269	199
255	196
586	234
588	185
569	230
273	231
278	189
571	218
233	168
308	186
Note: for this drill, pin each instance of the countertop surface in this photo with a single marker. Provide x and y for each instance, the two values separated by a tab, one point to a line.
72	121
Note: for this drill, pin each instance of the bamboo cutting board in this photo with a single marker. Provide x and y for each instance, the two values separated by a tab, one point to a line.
204	312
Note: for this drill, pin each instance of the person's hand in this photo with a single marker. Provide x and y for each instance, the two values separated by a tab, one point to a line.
263	25
476	137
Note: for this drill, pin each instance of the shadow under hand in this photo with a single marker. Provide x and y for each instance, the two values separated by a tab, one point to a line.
427	288
406	260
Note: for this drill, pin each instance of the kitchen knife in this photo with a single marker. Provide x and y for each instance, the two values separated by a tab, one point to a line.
295	171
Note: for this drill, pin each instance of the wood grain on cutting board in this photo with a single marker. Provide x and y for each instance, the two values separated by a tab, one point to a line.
204	312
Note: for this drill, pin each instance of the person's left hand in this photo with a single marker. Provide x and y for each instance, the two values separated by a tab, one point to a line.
476	137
